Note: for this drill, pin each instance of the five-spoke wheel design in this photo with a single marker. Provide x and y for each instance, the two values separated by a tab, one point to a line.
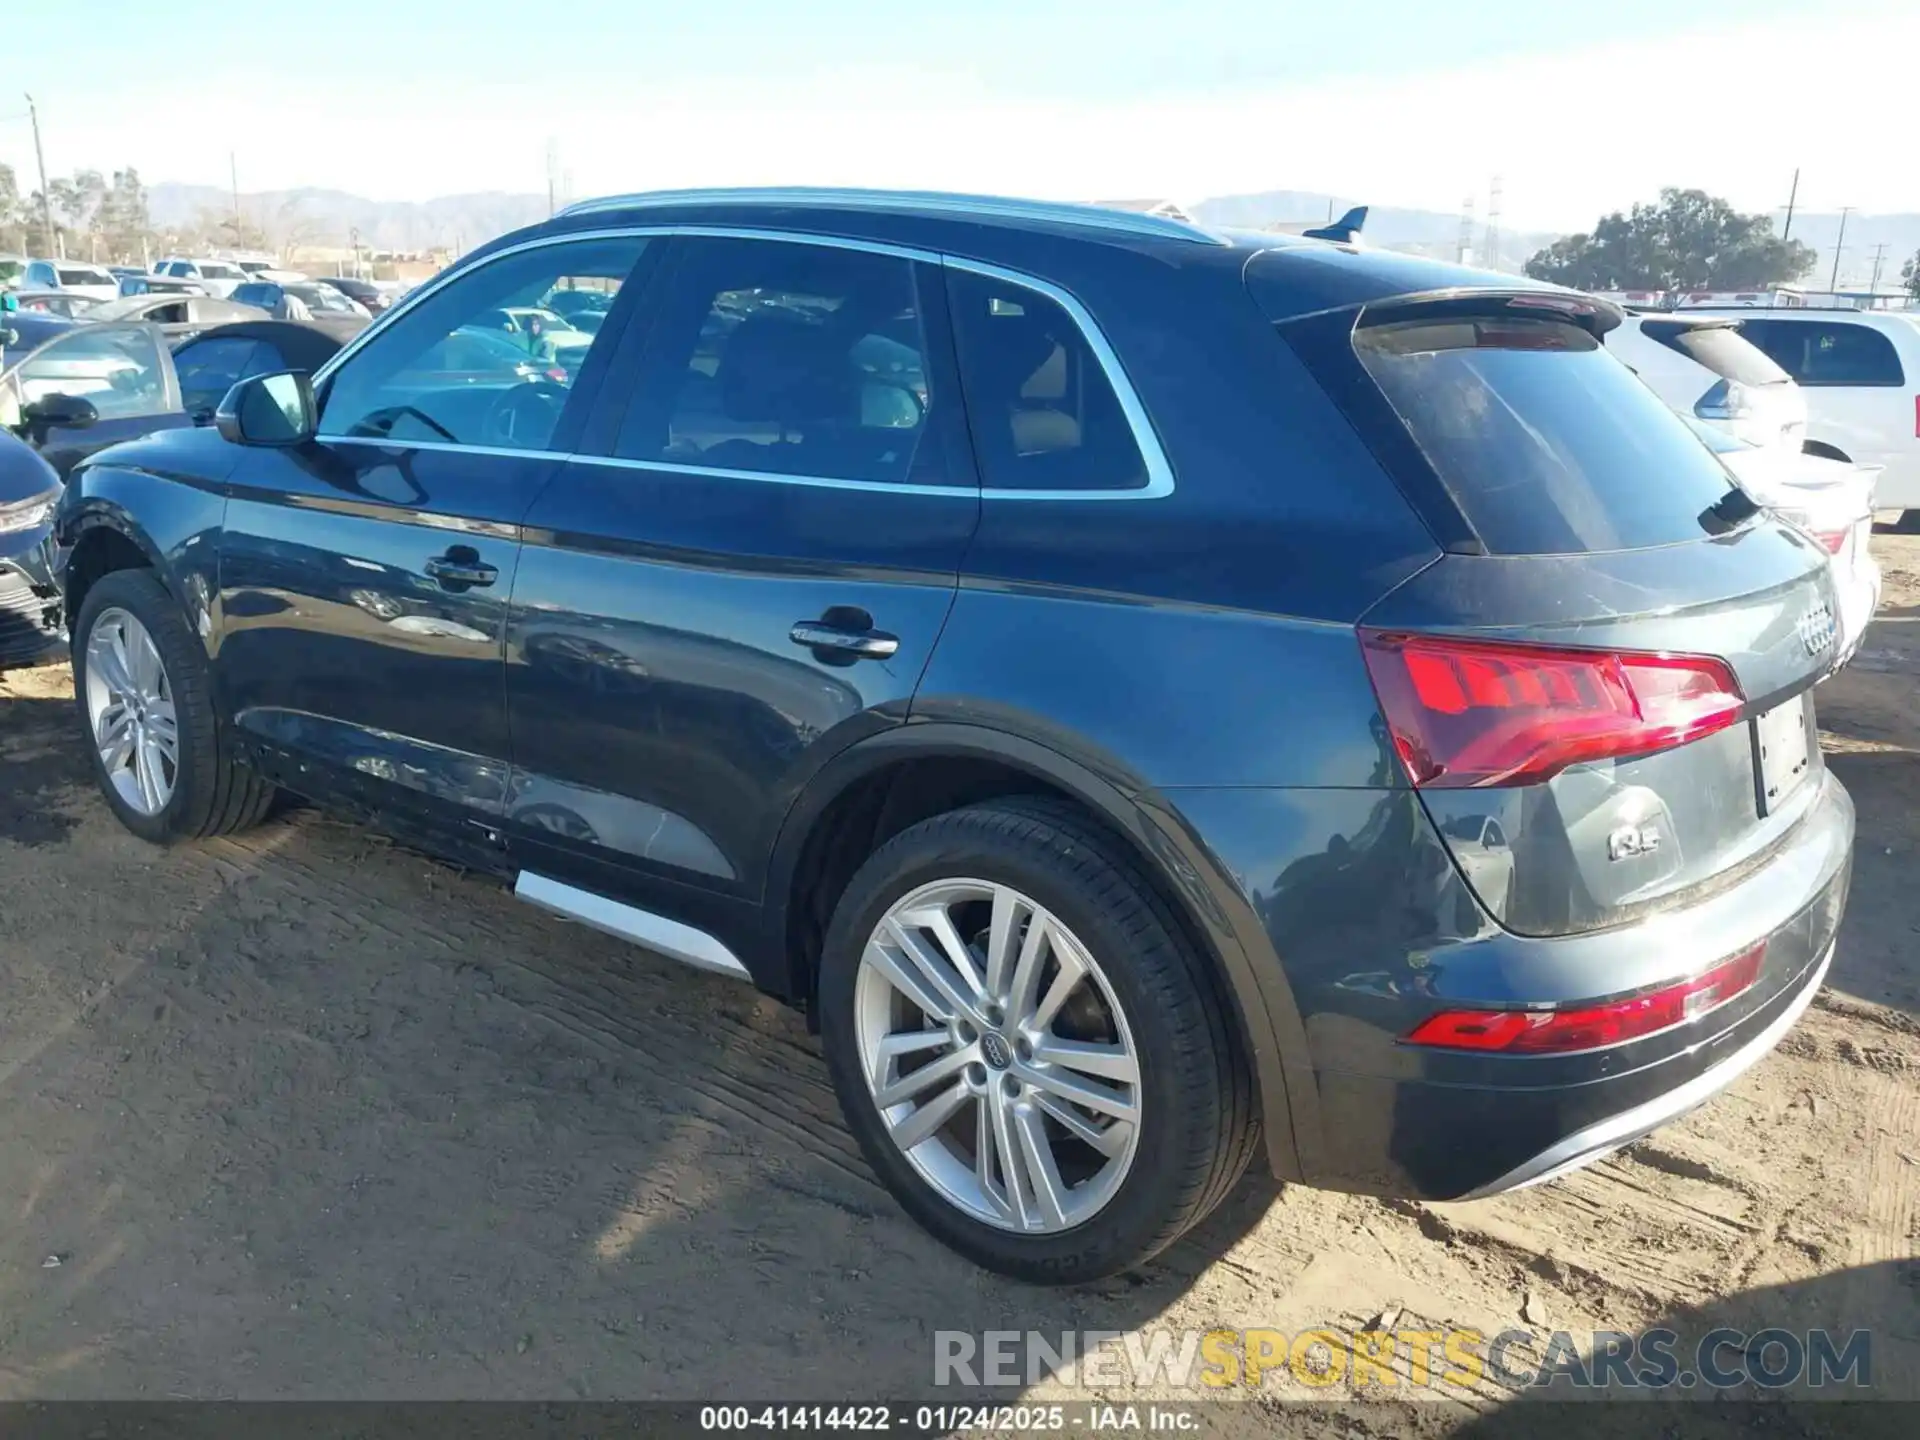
999	1058
131	711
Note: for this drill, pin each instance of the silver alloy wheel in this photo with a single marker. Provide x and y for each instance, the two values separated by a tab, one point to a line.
998	1055
130	709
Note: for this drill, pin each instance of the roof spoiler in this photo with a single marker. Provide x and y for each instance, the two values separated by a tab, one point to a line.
1344	231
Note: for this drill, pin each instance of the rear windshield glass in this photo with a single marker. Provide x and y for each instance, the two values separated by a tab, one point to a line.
1721	348
1549	445
80	275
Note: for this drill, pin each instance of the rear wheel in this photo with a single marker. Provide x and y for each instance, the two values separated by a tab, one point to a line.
141	688
1030	1054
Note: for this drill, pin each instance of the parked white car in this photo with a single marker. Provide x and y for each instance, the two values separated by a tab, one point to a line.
1702	366
218	278
74	277
1832	500
1860	372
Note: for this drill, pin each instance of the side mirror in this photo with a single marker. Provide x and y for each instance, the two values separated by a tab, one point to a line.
9	302
57	412
275	409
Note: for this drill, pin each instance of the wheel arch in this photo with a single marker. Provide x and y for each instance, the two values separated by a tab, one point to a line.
100	539
881	785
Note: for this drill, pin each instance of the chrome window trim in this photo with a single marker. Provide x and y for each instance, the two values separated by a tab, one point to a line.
914	202
1159	471
1160	482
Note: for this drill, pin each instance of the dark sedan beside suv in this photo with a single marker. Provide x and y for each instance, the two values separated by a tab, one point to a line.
1151	695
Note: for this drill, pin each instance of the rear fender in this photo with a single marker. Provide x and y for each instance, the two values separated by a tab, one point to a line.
1212	906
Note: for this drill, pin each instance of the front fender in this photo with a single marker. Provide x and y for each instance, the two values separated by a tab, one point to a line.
165	497
1212	902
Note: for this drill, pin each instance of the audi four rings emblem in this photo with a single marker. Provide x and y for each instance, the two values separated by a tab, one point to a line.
1816	629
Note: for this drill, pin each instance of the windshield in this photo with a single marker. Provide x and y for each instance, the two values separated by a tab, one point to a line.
1549	445
215	270
1719	348
83	275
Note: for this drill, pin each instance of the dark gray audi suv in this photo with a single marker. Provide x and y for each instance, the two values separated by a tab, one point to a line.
1154	697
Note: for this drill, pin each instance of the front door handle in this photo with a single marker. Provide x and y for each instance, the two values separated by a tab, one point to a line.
460	568
818	635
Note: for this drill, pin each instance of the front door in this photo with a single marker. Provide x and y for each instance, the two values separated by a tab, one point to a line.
747	574
90	388
364	578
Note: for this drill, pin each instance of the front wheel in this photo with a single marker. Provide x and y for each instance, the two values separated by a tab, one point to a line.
145	709
1030	1053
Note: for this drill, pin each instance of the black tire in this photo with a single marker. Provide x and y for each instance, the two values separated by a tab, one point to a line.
1198	1122
213	793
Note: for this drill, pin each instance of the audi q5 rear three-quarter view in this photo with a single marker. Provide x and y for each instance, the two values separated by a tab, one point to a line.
1151	695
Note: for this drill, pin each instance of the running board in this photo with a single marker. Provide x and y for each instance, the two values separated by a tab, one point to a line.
669	937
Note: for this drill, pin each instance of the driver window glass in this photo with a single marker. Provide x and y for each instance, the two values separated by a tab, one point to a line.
120	371
787	359
484	361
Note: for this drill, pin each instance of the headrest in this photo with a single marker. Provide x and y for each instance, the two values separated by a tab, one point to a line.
786	369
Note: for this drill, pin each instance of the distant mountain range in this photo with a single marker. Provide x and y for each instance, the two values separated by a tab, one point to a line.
1433	233
329	217
459	222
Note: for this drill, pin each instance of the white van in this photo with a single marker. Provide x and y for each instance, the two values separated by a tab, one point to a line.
1860	373
1700	366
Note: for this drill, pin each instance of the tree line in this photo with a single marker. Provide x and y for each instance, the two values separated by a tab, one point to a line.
1689	240
105	219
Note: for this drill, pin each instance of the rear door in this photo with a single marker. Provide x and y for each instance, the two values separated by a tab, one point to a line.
747	572
365	577
124	375
1610	669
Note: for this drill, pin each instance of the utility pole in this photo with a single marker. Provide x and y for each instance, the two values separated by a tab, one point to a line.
1838	245
1491	260
46	199
1786	230
233	174
553	175
1879	259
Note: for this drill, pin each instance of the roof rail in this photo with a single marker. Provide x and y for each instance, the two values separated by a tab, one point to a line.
912	201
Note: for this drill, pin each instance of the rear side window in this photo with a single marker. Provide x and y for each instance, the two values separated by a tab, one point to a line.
1719	348
778	358
1548	445
1828	352
1043	412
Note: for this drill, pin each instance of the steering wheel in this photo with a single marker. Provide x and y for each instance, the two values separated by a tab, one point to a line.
524	416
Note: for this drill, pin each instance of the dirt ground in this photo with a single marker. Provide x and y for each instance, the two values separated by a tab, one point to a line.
304	1115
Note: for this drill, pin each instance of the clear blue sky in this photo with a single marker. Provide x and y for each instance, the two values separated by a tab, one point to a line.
1404	101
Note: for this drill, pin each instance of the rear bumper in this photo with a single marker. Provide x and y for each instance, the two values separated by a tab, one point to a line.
1603	1137
1448	1125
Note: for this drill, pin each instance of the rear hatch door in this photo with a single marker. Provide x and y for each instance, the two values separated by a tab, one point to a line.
1602	687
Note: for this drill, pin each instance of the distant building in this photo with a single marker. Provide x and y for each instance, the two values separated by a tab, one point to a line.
1166	209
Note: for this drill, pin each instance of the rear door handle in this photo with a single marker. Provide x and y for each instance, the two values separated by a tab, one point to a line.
838	640
460	568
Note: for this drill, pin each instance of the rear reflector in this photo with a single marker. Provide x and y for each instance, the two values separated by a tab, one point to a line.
1484	712
1543	1032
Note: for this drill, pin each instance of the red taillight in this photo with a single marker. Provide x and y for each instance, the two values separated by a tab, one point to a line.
1539	1032
1483	712
1832	541
557	375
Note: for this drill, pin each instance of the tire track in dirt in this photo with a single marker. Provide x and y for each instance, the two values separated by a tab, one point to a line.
645	1010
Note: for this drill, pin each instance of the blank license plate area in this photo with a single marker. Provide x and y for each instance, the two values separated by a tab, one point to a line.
1780	735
